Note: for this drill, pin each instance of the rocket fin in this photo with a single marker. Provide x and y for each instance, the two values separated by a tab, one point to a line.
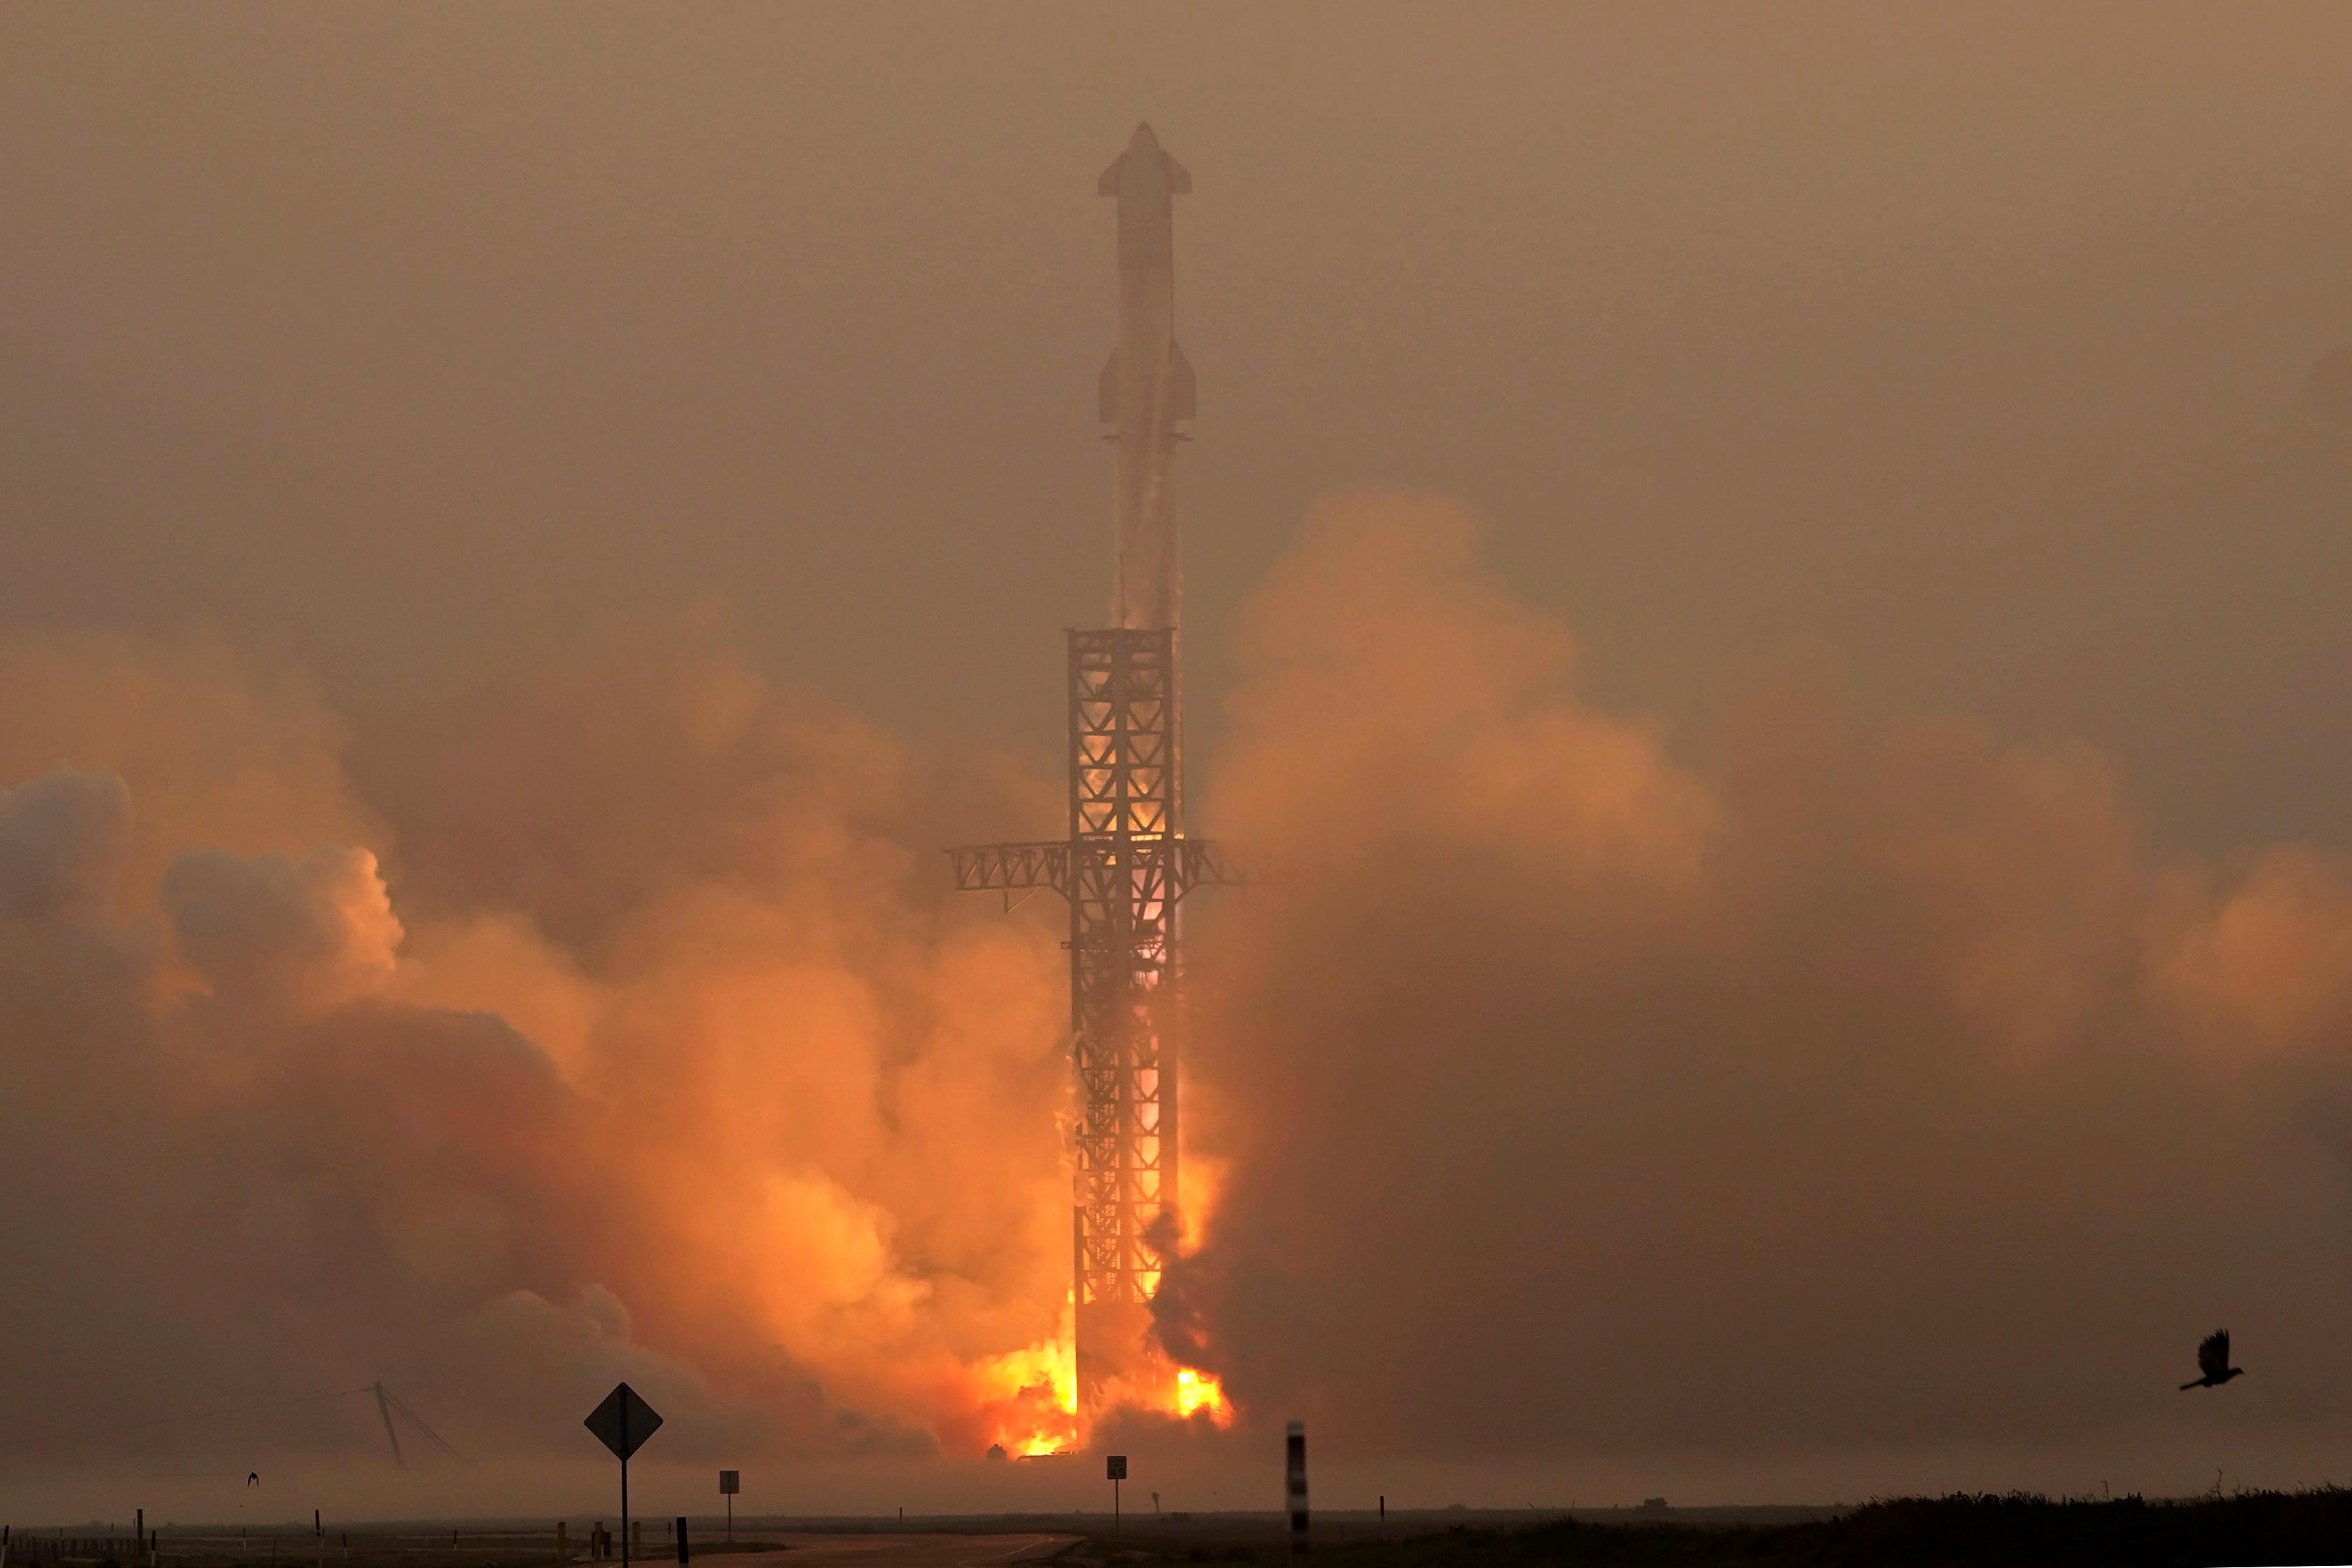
1179	384
1108	185
1180	178
1106	391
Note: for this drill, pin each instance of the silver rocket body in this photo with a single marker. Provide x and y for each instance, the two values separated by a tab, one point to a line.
1147	387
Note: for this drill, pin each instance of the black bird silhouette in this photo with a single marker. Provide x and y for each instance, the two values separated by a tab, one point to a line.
2213	1361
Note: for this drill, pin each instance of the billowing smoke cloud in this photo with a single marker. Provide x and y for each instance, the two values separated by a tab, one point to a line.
1860	1090
675	1062
1869	1089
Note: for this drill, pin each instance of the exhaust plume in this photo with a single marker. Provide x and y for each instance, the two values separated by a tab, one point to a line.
1879	1088
1868	1090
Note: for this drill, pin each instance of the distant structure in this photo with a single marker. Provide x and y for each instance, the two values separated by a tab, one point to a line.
1126	866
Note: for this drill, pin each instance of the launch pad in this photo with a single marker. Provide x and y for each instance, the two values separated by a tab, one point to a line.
1126	866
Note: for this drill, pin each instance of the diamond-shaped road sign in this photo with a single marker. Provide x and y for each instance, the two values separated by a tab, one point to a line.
623	1422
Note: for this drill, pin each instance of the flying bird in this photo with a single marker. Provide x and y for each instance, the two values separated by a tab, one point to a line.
2213	1361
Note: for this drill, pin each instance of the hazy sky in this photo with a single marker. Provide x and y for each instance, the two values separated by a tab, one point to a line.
1969	345
1811	784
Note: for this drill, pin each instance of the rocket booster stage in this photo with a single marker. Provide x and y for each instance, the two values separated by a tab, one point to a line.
1147	387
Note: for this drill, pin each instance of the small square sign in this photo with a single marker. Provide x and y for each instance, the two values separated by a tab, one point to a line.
1117	1465
730	1483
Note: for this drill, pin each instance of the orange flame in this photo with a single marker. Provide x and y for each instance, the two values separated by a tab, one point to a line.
1200	1393
1033	1408
1033	1395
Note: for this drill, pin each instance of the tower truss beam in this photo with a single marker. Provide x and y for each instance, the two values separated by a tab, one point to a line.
1125	869
1045	864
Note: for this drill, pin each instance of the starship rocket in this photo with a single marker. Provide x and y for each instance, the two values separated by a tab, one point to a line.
1147	387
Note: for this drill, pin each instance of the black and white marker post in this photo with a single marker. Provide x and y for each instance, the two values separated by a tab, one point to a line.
1294	1481
622	1424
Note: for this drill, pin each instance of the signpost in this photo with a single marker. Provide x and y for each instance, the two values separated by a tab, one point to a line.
1294	1484
1115	1471
730	1483
622	1424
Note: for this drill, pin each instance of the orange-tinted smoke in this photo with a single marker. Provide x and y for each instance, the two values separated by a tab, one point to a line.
1819	1084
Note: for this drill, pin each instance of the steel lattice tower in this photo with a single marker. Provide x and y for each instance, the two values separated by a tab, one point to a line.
1126	866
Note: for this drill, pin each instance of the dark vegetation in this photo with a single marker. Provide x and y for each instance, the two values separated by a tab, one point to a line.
2306	1527
1959	1531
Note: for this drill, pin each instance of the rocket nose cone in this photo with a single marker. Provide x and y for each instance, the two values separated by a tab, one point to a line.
1142	140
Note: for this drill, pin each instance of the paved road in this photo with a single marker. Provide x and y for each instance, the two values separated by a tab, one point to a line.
916	1551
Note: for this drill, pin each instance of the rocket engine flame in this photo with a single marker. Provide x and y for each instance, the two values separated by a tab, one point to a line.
1200	1393
1033	1406
1036	1412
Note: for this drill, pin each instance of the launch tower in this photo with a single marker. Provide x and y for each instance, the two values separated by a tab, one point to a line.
1126	866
